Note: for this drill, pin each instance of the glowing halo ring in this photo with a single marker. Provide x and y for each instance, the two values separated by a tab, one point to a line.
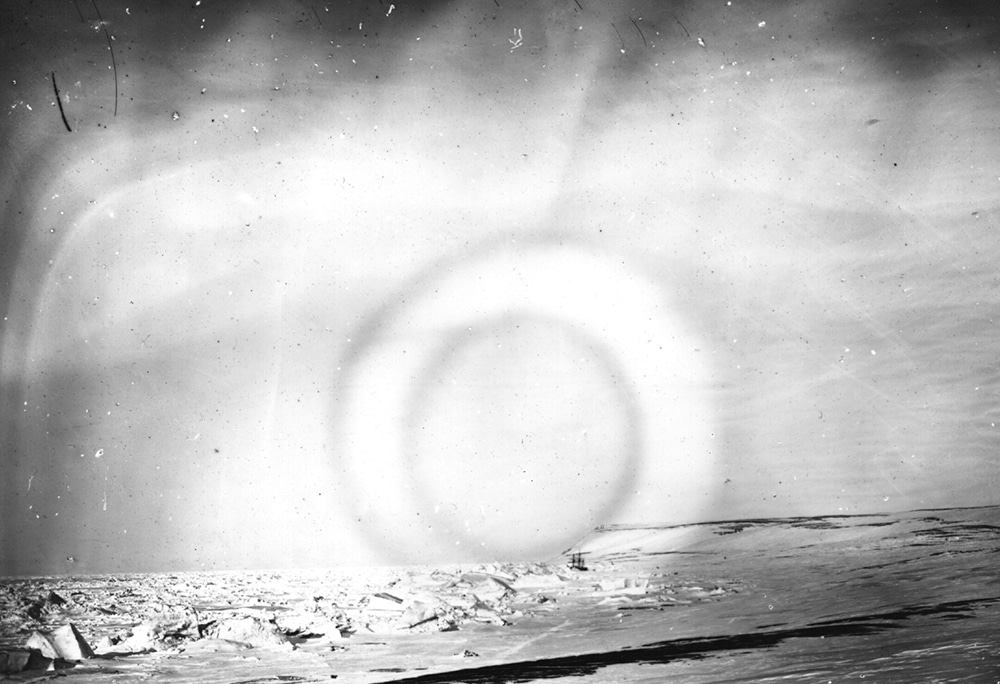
596	295
584	499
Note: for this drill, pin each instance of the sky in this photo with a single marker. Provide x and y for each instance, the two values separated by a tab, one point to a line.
305	284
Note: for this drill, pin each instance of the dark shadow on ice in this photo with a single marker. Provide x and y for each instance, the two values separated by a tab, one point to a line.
703	647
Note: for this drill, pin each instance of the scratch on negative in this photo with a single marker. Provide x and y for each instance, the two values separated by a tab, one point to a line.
62	112
644	43
114	64
620	39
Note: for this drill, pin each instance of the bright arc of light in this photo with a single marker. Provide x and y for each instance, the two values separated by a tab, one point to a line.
596	294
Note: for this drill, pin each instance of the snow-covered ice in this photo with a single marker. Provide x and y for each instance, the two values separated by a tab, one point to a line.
896	597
